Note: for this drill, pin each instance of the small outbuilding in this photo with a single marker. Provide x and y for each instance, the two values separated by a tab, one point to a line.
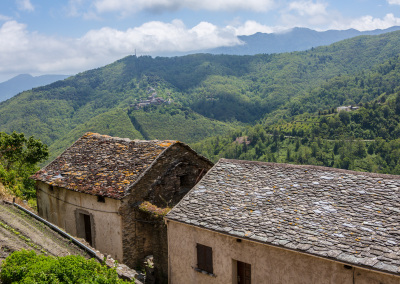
254	222
113	192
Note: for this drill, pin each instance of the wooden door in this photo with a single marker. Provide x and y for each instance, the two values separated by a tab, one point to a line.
88	228
244	273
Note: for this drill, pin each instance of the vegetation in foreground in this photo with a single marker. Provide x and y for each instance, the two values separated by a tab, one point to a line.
19	157
28	267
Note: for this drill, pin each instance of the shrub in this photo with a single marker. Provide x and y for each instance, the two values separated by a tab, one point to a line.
28	267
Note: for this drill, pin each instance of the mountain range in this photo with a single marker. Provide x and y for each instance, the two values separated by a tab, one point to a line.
201	95
296	39
25	82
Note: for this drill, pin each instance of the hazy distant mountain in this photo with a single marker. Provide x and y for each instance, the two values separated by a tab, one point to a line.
296	39
25	82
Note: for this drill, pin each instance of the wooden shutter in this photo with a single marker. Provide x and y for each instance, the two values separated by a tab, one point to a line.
204	258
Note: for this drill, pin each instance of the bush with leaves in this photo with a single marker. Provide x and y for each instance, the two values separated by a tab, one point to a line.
28	267
19	157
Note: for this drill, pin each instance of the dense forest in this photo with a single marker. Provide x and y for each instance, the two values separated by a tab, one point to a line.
367	139
271	107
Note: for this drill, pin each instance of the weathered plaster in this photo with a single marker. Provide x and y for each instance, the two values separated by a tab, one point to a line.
268	264
62	207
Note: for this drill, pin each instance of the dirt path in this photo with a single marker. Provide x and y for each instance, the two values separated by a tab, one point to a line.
18	231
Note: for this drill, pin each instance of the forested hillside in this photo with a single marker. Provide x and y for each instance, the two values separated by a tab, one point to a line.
311	147
203	95
366	138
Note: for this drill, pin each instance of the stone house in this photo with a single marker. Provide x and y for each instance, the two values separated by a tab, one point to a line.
113	192
253	222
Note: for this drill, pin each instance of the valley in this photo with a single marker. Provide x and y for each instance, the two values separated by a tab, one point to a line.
222	97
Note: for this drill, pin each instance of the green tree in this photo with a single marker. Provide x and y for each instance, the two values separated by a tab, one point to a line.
359	149
344	117
19	157
397	104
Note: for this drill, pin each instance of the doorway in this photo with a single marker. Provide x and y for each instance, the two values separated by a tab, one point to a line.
243	273
88	228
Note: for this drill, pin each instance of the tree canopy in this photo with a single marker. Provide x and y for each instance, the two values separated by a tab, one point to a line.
19	158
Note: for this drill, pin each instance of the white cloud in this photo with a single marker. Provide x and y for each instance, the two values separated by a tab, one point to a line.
12	37
128	6
394	2
252	27
308	8
22	51
158	37
367	23
25	5
306	14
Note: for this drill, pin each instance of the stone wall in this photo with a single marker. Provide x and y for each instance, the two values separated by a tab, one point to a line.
170	177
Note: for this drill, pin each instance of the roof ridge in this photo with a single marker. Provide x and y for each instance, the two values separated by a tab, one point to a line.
314	167
108	137
129	187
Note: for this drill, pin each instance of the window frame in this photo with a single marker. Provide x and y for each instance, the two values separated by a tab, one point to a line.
204	258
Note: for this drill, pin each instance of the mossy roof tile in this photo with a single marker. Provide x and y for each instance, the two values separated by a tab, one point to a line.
102	165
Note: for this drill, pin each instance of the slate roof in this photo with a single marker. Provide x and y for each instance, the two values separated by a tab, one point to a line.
352	217
102	165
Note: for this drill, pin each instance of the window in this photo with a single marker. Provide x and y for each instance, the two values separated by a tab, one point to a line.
185	181
51	188
101	199
204	258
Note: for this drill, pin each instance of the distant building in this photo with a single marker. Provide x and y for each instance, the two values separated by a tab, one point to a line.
109	191
151	100
347	108
254	222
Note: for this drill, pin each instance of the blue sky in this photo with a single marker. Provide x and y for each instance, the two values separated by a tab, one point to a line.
70	36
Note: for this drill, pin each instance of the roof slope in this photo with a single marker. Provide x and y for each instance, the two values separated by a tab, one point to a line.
102	165
348	216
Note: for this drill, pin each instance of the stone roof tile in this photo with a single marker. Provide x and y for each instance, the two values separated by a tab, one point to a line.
102	165
343	215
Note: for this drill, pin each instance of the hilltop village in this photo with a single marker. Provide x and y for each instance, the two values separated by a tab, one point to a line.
152	99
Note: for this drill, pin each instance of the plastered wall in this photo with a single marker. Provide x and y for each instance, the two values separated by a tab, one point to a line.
268	264
62	208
